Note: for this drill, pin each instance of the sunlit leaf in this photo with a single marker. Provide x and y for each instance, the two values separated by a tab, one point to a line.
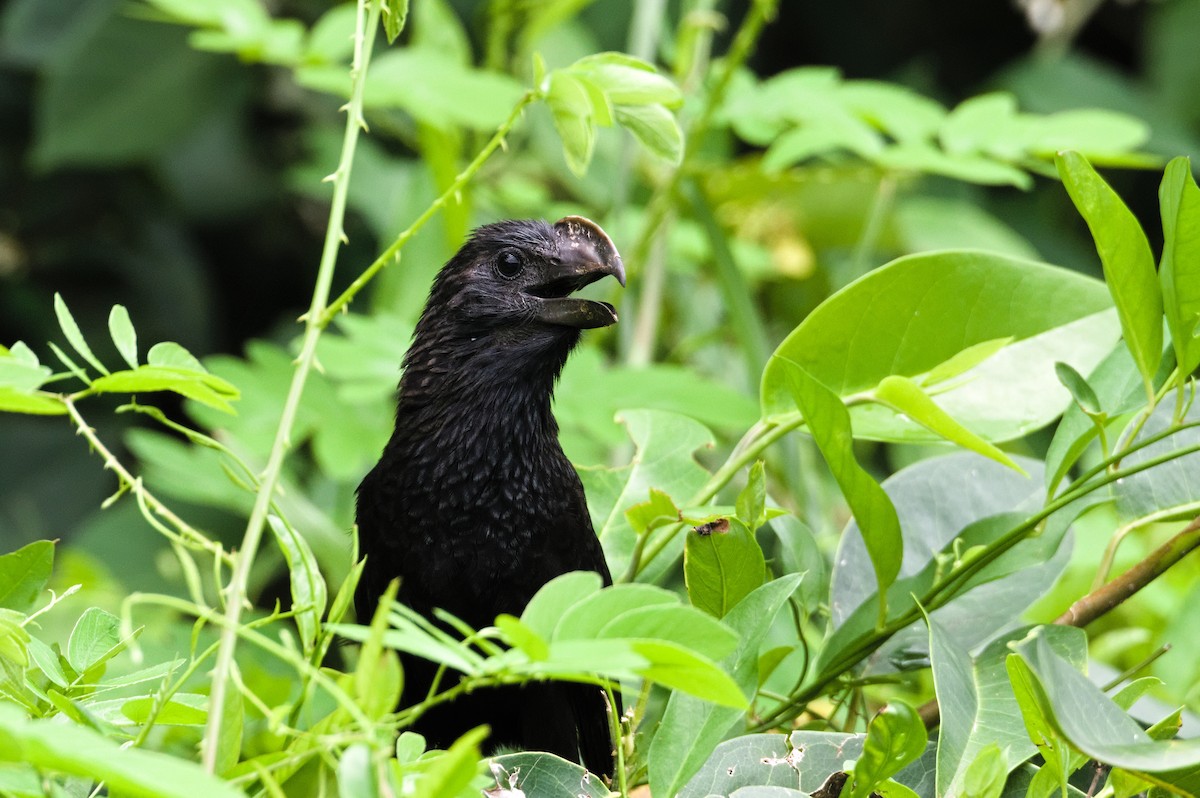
1125	254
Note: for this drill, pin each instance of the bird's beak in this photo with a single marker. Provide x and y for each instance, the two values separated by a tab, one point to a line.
587	250
585	254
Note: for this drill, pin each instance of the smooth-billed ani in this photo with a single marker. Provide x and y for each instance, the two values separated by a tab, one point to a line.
473	504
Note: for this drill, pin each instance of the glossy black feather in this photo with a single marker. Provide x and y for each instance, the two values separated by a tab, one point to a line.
473	503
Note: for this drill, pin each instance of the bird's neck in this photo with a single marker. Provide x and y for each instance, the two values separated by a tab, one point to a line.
478	395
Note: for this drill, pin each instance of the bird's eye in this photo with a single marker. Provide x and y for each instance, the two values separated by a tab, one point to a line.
510	263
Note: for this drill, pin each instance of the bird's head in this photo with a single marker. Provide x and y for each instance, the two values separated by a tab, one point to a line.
512	282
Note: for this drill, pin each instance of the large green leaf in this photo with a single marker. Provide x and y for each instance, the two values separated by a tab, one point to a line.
722	567
666	443
802	761
948	506
978	708
541	775
691	728
1173	484
919	311
1099	728
1126	256
829	424
1179	271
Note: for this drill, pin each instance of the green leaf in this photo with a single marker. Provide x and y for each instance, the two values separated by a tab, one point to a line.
665	444
46	660
14	643
1095	132
986	774
128	90
971	168
803	760
905	396
690	727
20	370
950	508
74	337
679	668
123	335
534	774
331	39
722	567
169	354
208	389
629	81
78	751
183	709
571	107
37	404
1179	270
655	127
355	772
984	123
583	619
1118	387
1093	724
449	773
895	737
308	586
917	312
683	625
518	635
829	424
543	611
979	709
24	574
656	512
1081	392
961	362
395	14
1170	485
1126	256
438	90
94	638
752	500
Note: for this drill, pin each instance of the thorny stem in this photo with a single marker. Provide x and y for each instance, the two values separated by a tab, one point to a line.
183	534
392	253
367	23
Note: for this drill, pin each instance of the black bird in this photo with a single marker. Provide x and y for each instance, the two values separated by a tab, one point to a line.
473	503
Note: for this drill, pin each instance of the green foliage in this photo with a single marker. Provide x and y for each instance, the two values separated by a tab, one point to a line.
874	575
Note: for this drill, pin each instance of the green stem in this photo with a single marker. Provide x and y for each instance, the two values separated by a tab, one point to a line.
755	441
392	253
657	209
183	534
614	730
334	234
